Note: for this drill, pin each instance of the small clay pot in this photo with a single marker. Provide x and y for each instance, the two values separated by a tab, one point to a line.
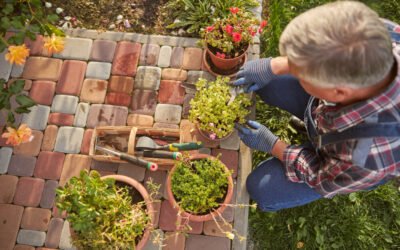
205	217
206	135
225	64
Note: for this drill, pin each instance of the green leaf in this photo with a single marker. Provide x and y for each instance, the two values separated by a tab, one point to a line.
52	18
10	117
16	23
8	9
21	110
17	86
25	101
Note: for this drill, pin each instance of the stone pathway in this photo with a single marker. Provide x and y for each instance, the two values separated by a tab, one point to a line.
131	80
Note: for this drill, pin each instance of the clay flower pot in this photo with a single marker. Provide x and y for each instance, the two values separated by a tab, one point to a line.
207	135
194	217
225	63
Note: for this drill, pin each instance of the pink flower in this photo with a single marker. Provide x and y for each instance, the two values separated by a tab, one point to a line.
237	37
234	10
263	24
229	29
220	55
209	28
211	124
213	136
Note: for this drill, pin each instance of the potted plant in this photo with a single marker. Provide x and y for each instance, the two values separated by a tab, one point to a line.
212	110
227	40
199	187
102	213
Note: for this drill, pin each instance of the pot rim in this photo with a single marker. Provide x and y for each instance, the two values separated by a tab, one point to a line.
227	59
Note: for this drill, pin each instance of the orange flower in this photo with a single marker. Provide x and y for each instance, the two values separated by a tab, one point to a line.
54	44
16	137
17	54
234	10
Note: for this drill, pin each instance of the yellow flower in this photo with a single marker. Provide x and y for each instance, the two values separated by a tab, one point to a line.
16	137
229	235
17	54
54	44
299	245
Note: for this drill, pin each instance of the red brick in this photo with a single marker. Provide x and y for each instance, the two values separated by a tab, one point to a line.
177	57
121	84
42	68
110	167
49	165
22	165
29	191
71	77
35	219
61	119
144	102
229	157
174	241
157	208
49	138
202	242
54	233
174	74
87	136
192	58
57	213
42	92
8	184
73	164
49	194
126	58
10	218
211	228
35	46
191	134
171	92
118	99
140	120
31	148
93	91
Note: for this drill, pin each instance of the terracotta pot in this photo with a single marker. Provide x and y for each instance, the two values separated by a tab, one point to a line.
193	217
206	135
225	64
146	197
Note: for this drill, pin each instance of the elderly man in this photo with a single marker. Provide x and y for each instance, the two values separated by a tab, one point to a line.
339	72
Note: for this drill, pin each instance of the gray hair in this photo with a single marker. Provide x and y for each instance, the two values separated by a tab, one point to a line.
339	43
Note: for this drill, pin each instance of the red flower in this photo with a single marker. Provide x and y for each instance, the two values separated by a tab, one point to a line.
263	24
220	55
253	32
209	28
236	37
234	10
229	29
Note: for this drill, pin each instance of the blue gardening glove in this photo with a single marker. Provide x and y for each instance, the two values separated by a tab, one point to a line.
255	75
257	136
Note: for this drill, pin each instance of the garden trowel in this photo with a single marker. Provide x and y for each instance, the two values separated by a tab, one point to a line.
146	143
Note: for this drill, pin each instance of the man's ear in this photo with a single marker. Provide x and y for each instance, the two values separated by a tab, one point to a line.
342	94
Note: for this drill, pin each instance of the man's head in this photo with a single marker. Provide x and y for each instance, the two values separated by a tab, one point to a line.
340	44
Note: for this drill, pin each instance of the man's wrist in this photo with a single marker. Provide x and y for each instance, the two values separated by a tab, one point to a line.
278	149
280	65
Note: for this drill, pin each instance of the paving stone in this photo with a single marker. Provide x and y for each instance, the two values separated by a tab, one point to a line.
201	242
232	142
121	84
76	49
49	138
10	217
165	125
144	102
81	114
8	184
54	233
93	91
192	58
65	239
49	165
35	46
69	140
171	92
37	117
31	148
190	133
106	115
206	151
186	105
174	241
73	164
5	156
148	77
5	66
98	70
104	166
103	50
71	78
61	119
57	213
45	248
158	177
151	244
42	68
174	74
87	136
22	165
64	104
23	247
42	92
194	76
140	120
31	237
131	170
211	228
29	191
118	99
168	113
126	58
177	57
35	219
230	158
49	194
157	209
165	56
149	54
17	70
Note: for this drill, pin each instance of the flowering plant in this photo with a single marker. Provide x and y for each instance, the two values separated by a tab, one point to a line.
229	37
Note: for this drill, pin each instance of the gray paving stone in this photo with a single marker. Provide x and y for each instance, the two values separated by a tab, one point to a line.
168	113
31	237
64	104
21	165
150	245
232	142
177	57
5	66
110	35
84	33
81	114
49	193
194	75
98	70
69	140
65	239
132	171
149	54
164	58
76	48
251	57
5	156
37	118
17	70
148	77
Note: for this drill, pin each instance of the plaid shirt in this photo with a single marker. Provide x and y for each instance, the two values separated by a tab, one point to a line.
352	165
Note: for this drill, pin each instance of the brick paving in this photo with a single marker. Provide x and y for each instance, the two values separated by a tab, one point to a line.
100	79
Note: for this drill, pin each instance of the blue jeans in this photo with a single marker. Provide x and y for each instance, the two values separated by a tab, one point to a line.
267	184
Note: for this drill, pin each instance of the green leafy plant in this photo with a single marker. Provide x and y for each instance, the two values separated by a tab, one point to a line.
211	110
101	214
199	186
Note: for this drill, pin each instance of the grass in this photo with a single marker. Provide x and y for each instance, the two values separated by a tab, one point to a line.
363	220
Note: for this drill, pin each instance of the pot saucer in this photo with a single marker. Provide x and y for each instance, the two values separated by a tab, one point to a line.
218	72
